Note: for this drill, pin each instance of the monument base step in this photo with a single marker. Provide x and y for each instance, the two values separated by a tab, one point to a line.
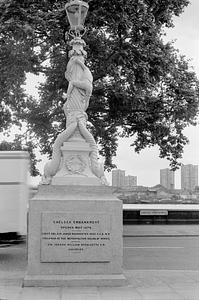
74	280
75	180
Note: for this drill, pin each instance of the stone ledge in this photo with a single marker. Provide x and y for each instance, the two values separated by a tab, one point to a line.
74	192
74	280
79	180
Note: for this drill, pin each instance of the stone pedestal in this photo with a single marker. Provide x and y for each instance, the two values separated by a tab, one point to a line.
75	237
75	165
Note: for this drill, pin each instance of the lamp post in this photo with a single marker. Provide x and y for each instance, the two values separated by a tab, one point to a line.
76	11
80	85
66	255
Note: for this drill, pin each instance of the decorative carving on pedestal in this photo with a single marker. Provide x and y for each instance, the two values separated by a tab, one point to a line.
75	164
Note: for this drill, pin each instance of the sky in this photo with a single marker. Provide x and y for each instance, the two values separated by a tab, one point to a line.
146	165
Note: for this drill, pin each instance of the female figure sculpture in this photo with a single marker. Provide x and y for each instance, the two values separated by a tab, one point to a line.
78	94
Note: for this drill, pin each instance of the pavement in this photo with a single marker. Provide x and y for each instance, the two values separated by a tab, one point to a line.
141	284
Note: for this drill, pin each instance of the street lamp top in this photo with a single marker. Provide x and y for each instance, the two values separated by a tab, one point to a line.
76	11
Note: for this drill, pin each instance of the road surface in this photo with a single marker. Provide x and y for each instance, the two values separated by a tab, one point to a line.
157	253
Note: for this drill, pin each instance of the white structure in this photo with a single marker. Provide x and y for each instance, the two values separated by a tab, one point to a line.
75	153
75	222
13	191
167	178
130	180
189	177
118	178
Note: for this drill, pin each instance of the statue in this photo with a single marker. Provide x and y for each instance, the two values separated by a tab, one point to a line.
78	95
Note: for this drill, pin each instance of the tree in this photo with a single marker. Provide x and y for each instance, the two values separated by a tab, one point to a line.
143	88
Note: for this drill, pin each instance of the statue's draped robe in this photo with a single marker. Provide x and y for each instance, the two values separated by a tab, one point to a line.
77	99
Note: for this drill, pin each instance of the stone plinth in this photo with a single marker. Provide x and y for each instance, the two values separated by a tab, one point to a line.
75	165
75	237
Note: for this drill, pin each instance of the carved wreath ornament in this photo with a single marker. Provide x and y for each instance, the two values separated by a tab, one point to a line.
75	164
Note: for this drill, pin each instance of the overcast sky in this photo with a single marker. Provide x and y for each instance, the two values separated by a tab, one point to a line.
147	165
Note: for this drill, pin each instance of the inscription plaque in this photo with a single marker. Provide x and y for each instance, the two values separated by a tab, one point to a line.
75	237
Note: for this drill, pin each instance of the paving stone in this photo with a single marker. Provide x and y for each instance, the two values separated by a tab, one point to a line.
159	293
120	293
9	292
187	291
80	293
36	293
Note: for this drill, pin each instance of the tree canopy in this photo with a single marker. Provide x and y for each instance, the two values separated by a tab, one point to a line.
143	88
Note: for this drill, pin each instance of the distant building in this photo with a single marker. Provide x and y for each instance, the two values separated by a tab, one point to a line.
118	178
189	177
130	180
167	178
